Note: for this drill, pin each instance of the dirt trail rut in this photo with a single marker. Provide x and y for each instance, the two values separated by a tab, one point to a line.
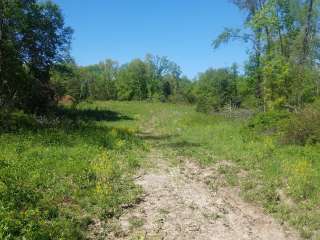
179	204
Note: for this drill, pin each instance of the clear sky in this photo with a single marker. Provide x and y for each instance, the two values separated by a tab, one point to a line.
182	30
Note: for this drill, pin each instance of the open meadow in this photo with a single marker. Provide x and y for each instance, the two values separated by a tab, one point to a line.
62	174
159	120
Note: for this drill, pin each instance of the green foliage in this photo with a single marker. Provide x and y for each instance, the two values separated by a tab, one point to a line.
275	83
155	78
268	121
304	127
132	81
216	89
284	179
33	38
59	173
99	81
64	79
282	70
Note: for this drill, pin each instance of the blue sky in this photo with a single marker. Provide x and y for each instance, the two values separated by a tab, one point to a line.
182	30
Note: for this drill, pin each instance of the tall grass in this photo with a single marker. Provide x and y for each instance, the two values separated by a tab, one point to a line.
58	174
284	178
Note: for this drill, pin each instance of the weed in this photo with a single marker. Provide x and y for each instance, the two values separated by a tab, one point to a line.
54	171
269	166
53	174
136	222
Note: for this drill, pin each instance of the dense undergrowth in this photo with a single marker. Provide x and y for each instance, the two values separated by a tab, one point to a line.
59	173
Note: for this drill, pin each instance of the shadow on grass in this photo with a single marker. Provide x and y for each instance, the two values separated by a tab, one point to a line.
181	144
67	127
168	140
71	135
91	114
153	137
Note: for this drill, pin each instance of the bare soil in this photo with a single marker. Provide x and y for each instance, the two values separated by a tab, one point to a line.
178	203
187	201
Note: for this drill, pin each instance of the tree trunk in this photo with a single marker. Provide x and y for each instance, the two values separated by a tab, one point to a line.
307	33
280	36
258	88
269	39
1	37
2	102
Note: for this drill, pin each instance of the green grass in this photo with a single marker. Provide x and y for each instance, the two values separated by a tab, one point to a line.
284	179
57	175
56	178
136	222
270	167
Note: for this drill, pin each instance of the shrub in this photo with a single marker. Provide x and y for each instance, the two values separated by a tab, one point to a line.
267	121
207	104
304	126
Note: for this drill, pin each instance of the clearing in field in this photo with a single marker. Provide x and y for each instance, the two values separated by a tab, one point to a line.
138	170
159	119
189	190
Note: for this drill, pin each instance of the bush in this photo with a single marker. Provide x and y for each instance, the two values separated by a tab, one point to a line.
304	126
207	104
267	121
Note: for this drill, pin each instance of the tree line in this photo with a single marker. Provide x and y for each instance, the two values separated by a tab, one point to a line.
283	66
153	78
282	71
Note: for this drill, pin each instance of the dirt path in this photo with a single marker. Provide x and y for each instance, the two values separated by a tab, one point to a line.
185	201
178	204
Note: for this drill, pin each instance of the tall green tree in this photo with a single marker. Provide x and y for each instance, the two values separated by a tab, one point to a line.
217	88
33	38
164	75
282	32
132	81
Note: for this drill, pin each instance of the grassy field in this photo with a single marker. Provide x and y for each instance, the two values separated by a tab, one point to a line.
284	179
58	175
